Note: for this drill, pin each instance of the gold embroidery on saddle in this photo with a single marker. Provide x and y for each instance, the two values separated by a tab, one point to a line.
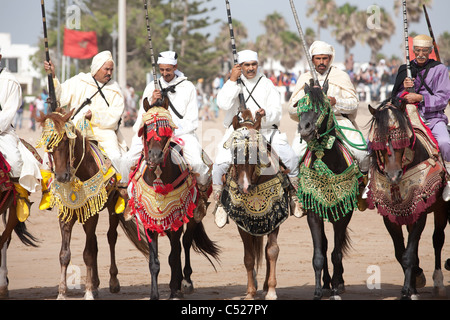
83	198
161	208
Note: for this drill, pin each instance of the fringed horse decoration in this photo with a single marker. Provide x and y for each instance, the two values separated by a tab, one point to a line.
407	179
83	184
256	197
8	197
164	198
328	186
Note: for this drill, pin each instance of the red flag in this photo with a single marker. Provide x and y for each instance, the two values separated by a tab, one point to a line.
80	44
412	55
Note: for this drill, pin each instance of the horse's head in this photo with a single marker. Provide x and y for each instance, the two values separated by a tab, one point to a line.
389	136
58	138
249	151
156	132
315	113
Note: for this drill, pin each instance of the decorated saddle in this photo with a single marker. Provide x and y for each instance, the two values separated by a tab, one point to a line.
161	207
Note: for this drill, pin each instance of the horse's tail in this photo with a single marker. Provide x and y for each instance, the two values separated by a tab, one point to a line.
25	236
346	242
257	246
131	231
203	244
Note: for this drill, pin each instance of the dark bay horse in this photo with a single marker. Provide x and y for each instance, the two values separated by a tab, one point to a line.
328	187
12	223
407	179
256	196
165	198
84	184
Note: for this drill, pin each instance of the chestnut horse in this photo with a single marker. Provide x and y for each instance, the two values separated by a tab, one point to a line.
328	188
407	179
8	210
256	197
72	161
163	197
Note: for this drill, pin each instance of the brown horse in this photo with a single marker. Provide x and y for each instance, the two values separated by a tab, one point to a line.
8	210
256	196
74	163
164	198
407	179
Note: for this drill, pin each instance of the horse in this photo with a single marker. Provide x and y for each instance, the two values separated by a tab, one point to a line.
256	196
328	187
84	183
8	210
407	179
165	197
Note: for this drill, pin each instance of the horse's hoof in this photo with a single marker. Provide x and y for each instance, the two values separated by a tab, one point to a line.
178	295
114	286
271	296
421	280
335	297
4	293
249	296
415	297
91	295
187	287
340	288
61	296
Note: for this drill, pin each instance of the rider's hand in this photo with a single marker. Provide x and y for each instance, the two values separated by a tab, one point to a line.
88	115
155	96
49	68
235	73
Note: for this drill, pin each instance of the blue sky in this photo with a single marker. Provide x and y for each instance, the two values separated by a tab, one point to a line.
25	25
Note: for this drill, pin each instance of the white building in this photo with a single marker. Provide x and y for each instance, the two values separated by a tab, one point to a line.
17	58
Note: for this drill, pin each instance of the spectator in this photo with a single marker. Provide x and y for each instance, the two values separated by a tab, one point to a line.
32	109
18	117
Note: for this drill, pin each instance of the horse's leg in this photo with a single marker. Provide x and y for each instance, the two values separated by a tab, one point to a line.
153	264
188	236
176	275
340	244
4	242
440	222
396	233
272	251
410	260
90	258
64	255
114	285
316	227
249	262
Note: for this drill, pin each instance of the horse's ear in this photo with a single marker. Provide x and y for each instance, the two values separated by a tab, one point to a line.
307	89
236	124
372	110
146	104
325	87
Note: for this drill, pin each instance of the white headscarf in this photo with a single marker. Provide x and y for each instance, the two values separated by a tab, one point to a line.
247	55
169	57
320	47
99	60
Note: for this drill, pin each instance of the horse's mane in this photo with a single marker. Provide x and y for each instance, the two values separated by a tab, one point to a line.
381	117
59	118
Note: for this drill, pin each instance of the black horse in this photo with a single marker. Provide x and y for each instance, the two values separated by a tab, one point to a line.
328	186
407	179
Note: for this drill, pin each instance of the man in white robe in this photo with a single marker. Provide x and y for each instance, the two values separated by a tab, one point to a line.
343	99
261	97
25	168
104	110
184	111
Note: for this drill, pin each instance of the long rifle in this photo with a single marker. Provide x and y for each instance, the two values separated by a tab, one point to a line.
242	105
305	47
430	29
159	102
51	88
406	34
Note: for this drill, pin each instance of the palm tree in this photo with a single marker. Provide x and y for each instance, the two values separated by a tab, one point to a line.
414	8
348	23
376	37
444	47
324	10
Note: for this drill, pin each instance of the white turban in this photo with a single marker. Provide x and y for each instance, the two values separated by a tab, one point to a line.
320	47
247	55
99	60
422	40
168	57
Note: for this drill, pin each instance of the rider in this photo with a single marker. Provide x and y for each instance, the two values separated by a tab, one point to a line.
261	97
104	110
182	97
431	95
24	172
343	99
